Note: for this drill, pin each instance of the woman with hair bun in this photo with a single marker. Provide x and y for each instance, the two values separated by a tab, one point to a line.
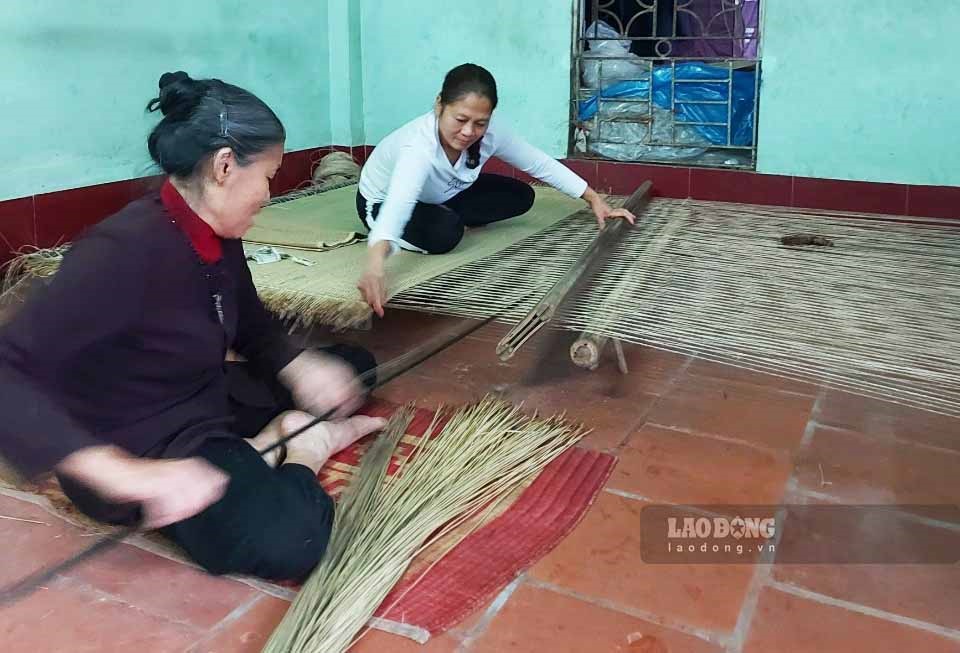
114	375
423	185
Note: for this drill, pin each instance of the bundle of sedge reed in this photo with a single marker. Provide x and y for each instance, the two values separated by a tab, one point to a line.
382	523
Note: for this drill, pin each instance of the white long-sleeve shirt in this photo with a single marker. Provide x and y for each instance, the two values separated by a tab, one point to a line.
409	165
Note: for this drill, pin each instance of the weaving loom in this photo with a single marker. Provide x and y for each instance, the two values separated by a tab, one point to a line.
876	314
873	314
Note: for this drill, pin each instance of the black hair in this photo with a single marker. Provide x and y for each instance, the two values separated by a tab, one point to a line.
200	116
462	81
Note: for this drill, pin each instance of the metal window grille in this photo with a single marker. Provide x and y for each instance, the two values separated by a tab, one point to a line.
666	81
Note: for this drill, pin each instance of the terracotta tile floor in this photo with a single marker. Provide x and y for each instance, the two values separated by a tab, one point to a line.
685	431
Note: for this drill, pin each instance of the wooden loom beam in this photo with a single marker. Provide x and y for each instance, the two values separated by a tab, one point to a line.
547	307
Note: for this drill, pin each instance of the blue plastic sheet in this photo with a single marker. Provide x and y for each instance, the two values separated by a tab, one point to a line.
695	82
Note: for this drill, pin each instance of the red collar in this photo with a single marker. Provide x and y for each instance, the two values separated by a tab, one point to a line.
202	236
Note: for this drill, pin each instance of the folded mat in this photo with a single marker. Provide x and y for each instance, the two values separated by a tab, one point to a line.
317	222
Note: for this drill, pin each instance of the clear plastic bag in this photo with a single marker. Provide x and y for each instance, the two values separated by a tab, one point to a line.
628	132
610	60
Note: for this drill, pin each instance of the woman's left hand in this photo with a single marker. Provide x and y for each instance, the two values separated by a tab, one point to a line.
320	383
602	210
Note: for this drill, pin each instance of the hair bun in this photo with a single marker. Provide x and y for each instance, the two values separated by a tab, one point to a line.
179	94
166	79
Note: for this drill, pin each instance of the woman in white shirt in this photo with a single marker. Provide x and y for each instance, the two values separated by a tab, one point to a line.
422	185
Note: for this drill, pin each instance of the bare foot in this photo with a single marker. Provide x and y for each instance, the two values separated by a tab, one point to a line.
269	436
315	446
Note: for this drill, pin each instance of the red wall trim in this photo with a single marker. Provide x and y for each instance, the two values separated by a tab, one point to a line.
50	218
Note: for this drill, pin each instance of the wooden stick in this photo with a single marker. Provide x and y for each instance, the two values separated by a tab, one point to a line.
621	357
544	311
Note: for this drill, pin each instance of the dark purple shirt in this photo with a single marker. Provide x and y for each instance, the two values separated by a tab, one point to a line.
126	344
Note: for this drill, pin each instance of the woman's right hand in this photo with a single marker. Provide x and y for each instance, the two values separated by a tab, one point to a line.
373	282
168	491
373	288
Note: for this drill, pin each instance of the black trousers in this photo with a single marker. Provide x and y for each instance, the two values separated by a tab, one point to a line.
438	228
270	523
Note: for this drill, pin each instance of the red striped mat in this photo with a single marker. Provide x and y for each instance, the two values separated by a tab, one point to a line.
438	592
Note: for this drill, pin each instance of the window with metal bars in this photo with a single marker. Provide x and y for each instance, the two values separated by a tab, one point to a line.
666	81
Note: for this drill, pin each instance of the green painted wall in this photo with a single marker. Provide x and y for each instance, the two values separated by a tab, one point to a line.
408	45
861	89
346	73
77	75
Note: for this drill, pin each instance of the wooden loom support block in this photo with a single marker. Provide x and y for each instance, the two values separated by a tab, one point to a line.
544	311
586	350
